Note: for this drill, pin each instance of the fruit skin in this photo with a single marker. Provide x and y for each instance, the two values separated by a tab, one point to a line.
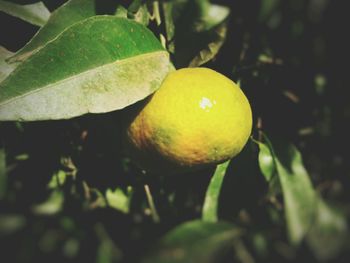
198	117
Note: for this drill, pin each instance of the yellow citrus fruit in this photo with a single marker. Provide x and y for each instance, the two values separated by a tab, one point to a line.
197	117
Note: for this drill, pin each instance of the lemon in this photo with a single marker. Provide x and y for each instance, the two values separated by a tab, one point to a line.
198	117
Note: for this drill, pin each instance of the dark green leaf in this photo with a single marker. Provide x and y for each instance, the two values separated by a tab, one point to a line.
71	12
210	206
329	232
107	251
298	193
5	68
214	40
101	64
195	241
195	30
267	8
36	14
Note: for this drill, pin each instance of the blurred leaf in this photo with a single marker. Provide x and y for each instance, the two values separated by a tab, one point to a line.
138	12
298	193
5	68
195	241
195	30
57	179
267	8
329	232
119	200
135	6
3	176
11	223
71	248
121	11
211	202
107	252
52	205
36	14
77	74
22	157
66	15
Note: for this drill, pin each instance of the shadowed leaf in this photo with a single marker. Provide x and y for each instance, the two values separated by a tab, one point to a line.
298	193
195	30
329	232
195	241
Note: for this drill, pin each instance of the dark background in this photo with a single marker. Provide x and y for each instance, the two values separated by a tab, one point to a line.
301	94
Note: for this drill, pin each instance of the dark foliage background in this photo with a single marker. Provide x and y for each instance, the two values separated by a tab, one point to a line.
291	62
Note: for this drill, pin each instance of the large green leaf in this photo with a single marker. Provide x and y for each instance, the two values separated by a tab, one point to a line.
307	214
36	14
5	68
66	15
195	241
211	202
298	193
101	64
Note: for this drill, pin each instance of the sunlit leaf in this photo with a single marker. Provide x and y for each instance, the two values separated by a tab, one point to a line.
138	12
195	241
211	202
101	64
57	180
266	161
66	15
36	14
52	205
119	200
5	68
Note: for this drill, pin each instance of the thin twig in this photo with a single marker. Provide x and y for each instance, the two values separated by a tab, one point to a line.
154	212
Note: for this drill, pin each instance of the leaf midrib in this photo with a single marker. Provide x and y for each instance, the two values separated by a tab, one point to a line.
86	72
